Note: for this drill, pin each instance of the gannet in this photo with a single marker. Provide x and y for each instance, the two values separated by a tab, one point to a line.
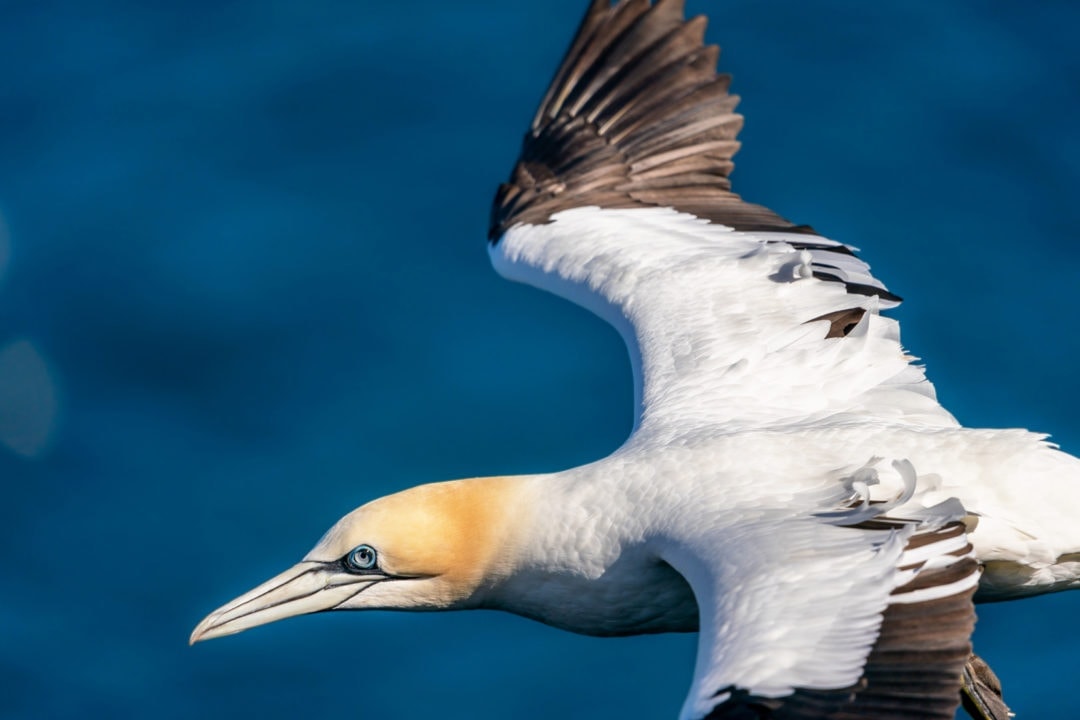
791	489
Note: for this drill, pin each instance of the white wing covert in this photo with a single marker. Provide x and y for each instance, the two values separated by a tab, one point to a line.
621	202
864	611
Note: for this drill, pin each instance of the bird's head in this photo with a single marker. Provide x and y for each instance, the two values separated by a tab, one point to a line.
429	548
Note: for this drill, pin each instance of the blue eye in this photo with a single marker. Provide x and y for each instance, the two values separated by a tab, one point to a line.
361	558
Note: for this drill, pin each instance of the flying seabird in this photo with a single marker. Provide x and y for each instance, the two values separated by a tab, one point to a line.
791	489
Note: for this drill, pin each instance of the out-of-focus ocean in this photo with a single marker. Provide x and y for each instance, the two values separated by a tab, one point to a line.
245	289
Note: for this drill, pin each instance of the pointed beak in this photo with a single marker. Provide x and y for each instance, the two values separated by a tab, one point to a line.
304	588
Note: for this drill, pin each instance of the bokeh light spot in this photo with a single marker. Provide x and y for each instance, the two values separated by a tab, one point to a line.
28	399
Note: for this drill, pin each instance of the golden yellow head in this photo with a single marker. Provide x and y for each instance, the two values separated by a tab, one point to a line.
432	547
458	530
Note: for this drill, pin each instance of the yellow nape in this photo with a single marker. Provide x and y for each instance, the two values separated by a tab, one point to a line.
464	531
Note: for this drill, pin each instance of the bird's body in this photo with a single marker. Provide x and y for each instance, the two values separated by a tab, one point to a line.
792	489
600	536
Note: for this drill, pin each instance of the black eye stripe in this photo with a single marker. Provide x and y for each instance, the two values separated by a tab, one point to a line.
343	563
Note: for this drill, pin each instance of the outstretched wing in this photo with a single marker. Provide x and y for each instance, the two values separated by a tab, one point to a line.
620	201
849	614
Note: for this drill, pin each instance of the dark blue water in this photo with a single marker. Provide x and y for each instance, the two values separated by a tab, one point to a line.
247	245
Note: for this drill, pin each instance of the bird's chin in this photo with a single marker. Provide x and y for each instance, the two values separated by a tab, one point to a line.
308	587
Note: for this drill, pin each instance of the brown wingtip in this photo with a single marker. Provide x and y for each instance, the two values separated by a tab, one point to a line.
636	116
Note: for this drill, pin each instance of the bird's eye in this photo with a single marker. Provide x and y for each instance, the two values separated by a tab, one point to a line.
361	558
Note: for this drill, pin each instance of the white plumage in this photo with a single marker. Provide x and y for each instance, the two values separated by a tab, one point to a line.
719	327
792	488
720	324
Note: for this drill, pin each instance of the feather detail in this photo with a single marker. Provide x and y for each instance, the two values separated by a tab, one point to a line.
636	116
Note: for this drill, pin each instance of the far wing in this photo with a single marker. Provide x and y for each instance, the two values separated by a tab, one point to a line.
621	202
843	615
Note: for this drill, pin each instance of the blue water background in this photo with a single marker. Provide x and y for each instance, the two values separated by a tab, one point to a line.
248	238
